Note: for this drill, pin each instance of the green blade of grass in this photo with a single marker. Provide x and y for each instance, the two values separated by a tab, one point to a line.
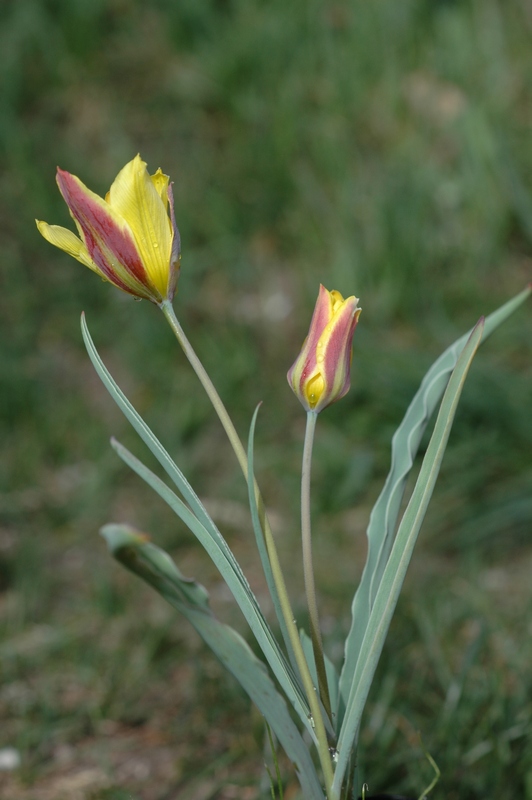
157	568
397	564
383	520
226	563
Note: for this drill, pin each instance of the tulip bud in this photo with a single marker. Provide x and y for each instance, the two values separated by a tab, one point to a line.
130	238
321	373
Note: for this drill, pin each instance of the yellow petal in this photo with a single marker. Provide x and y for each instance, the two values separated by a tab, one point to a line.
136	198
69	242
337	300
161	181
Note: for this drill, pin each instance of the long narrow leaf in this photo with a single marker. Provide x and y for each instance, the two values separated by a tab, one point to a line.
383	520
396	567
157	568
261	544
218	548
235	579
145	433
330	669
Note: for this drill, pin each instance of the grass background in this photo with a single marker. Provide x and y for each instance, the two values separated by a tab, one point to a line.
381	148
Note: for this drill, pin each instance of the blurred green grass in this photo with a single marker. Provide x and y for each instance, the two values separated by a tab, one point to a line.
382	149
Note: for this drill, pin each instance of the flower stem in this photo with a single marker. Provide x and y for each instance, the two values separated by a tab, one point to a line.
214	397
308	570
286	609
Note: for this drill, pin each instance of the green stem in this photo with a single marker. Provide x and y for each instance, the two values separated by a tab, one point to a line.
286	609
308	684
308	570
168	311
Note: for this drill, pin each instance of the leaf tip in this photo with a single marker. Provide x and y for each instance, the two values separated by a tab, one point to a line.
120	535
479	326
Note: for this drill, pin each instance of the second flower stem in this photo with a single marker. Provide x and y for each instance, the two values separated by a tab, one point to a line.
308	569
227	423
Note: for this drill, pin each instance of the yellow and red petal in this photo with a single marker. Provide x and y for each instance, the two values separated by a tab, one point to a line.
334	353
135	197
306	365
67	241
108	238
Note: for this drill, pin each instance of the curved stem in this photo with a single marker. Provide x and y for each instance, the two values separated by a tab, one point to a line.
290	622
308	569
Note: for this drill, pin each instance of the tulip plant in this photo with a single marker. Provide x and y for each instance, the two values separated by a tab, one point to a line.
130	239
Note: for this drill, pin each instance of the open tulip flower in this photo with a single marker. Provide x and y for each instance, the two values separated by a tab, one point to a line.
320	374
130	238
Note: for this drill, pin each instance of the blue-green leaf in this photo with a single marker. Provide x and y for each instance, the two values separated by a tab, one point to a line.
397	564
195	516
330	669
261	544
383	520
157	568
